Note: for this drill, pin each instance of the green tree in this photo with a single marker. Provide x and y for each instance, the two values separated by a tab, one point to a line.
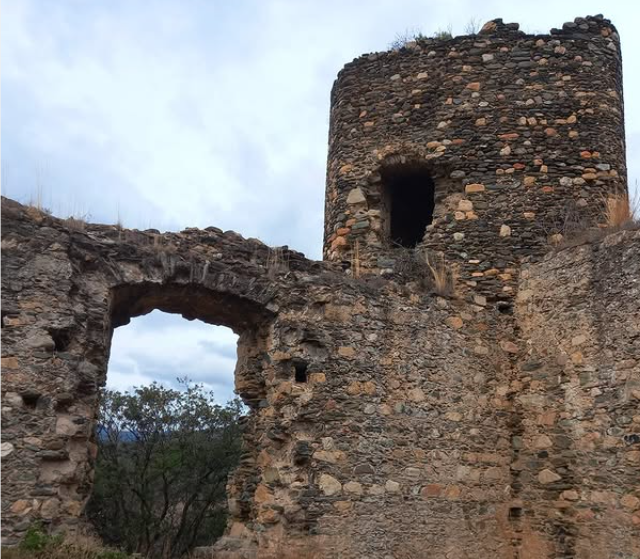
163	460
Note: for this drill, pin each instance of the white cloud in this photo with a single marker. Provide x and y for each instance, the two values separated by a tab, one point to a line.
182	134
209	113
162	347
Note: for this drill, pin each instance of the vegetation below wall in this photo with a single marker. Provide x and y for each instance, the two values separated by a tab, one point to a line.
37	544
163	460
164	456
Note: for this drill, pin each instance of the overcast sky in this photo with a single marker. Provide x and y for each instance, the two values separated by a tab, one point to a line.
182	113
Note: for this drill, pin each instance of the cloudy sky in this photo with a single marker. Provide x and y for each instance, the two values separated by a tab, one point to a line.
181	113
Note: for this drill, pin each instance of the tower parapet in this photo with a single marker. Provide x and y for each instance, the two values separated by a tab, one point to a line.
480	148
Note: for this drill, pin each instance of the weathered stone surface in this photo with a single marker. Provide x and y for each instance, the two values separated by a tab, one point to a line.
580	317
6	449
329	485
476	187
392	486
353	488
503	420
503	117
391	364
548	476
356	196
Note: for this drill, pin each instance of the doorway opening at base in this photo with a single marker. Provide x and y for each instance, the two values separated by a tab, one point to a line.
167	434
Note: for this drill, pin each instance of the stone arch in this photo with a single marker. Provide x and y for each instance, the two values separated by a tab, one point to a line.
67	291
237	305
245	316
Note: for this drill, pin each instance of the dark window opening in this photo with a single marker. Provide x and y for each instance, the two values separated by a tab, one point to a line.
30	399
409	192
61	338
300	370
515	512
504	307
4	315
63	401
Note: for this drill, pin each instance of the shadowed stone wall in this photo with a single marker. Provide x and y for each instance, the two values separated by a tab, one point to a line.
579	396
396	439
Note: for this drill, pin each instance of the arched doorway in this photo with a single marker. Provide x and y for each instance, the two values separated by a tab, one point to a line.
250	323
168	436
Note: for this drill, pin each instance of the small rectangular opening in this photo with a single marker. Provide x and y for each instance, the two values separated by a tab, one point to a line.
300	370
61	338
515	512
504	307
30	399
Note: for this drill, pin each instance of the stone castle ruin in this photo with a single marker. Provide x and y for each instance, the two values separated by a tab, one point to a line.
446	383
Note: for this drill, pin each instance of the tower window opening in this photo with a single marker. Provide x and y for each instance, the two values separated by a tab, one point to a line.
409	197
300	370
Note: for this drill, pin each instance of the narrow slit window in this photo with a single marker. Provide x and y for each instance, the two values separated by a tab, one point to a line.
300	371
409	194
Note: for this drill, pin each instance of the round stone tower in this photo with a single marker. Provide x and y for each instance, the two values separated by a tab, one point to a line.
481	149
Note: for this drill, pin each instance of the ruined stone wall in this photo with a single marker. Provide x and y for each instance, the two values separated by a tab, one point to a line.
521	134
578	397
427	425
65	287
397	440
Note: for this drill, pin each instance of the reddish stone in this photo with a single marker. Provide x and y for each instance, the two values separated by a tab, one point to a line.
431	490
